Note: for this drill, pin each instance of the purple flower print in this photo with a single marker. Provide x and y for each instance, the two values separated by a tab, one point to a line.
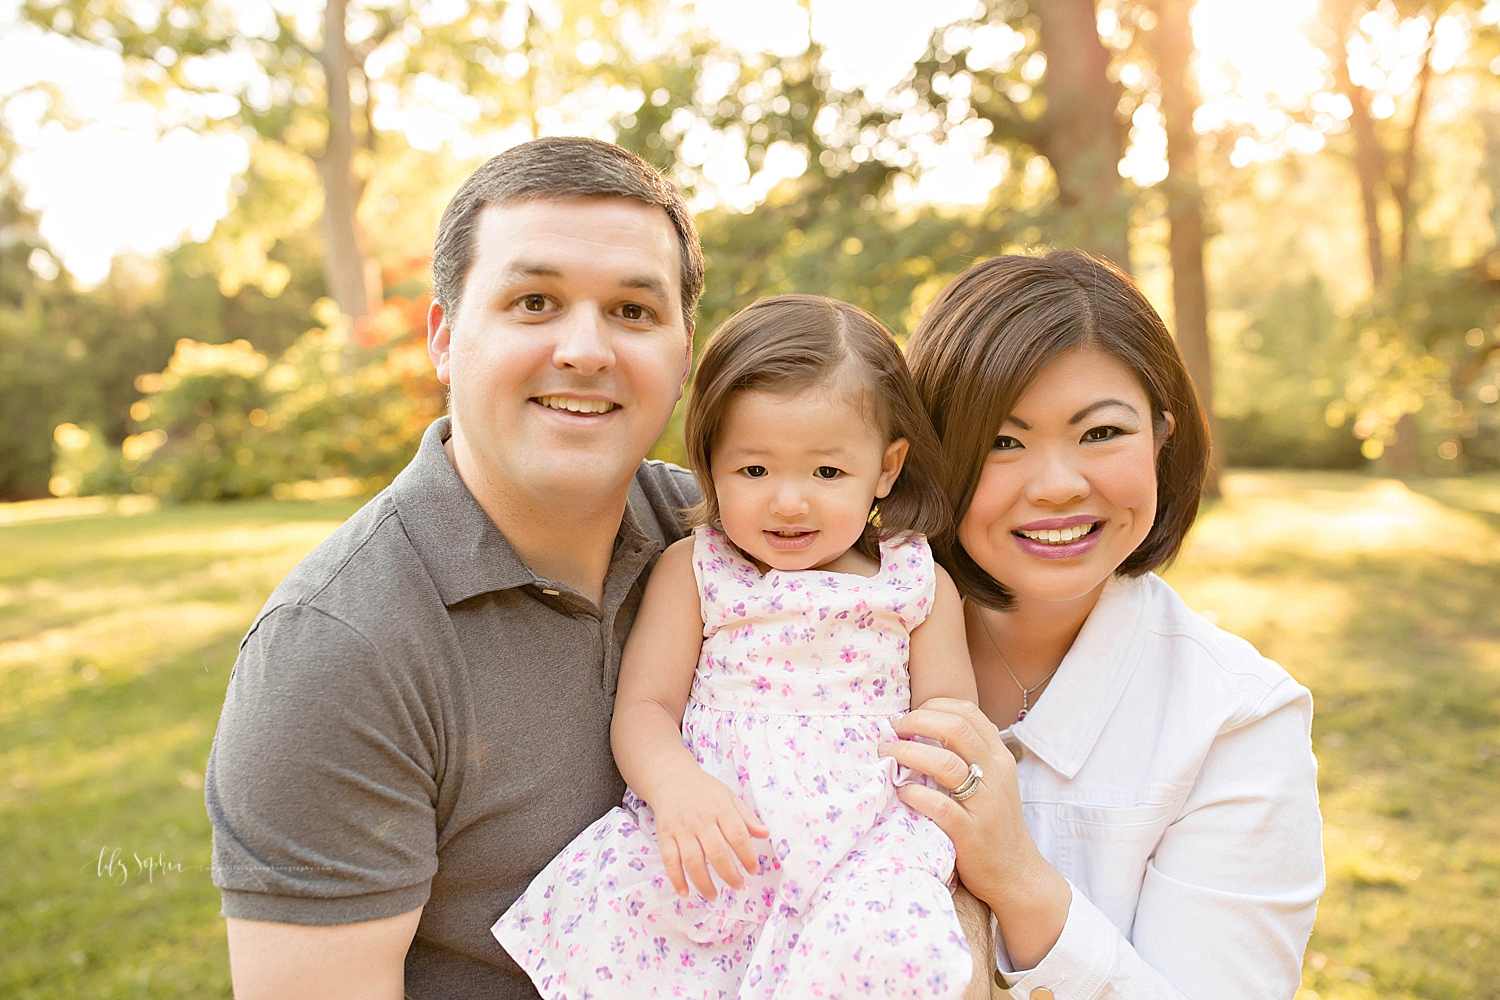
848	654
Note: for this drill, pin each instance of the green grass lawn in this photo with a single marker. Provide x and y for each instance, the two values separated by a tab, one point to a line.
117	634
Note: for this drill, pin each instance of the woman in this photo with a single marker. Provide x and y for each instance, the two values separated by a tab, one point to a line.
1136	795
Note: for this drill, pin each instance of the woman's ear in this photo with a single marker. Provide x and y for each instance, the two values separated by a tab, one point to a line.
890	466
1168	422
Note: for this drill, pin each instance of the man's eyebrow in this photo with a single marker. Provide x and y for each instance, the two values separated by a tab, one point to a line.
521	269
525	269
655	286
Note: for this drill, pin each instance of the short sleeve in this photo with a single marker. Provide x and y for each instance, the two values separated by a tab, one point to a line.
912	576
321	782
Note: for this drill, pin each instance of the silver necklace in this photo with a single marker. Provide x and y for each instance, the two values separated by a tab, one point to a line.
1025	691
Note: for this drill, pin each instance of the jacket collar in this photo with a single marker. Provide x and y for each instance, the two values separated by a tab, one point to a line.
1067	721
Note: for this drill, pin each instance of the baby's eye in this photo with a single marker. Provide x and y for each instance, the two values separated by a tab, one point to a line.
828	472
1101	433
755	471
1004	442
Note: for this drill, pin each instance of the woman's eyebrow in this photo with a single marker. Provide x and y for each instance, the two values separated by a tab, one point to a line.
1083	413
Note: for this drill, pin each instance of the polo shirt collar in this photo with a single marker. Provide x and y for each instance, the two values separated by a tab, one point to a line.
1067	722
460	547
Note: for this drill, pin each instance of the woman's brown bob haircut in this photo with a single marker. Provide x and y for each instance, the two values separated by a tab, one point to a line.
986	339
790	343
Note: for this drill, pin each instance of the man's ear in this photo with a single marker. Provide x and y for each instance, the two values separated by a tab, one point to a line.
438	346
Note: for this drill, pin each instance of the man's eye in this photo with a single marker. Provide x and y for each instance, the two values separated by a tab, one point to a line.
1101	433
828	472
755	471
533	303
1004	442
634	312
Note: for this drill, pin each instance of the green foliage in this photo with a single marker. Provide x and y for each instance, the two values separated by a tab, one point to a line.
201	418
343	407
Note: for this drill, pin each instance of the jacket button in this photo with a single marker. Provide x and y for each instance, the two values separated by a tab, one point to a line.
1042	993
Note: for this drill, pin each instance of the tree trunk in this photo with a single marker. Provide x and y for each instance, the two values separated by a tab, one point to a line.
1369	154
343	262
1082	137
1173	49
1401	190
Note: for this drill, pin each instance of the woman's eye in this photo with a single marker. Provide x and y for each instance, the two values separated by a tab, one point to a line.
828	472
755	471
1004	442
1101	433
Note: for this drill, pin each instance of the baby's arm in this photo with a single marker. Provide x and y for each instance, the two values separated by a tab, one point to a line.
939	665
699	820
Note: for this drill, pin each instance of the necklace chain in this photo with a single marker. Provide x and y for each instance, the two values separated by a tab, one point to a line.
1025	691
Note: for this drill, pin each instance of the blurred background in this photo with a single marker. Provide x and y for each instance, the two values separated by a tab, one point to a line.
215	220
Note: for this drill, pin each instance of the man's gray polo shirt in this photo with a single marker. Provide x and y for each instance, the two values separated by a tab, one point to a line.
417	719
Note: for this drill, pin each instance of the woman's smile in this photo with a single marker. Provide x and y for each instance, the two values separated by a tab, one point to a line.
1060	538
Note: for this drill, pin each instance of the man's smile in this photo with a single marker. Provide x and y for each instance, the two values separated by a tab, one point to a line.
575	405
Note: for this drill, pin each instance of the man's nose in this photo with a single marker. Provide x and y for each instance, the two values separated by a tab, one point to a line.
584	344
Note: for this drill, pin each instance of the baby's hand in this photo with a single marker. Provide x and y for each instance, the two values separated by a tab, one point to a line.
701	823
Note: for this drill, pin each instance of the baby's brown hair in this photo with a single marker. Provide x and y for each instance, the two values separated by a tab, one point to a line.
789	343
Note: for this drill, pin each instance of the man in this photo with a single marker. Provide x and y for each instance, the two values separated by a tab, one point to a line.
419	718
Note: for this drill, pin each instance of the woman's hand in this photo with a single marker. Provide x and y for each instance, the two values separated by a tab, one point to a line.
701	823
996	857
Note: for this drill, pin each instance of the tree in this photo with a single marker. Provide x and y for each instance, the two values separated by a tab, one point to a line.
1171	44
1038	72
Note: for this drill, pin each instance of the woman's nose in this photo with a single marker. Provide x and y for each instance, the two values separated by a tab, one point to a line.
1058	480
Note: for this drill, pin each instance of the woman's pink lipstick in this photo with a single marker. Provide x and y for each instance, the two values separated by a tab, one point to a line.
1058	550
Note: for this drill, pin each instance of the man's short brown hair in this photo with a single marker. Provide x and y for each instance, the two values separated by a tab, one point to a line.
989	335
555	168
